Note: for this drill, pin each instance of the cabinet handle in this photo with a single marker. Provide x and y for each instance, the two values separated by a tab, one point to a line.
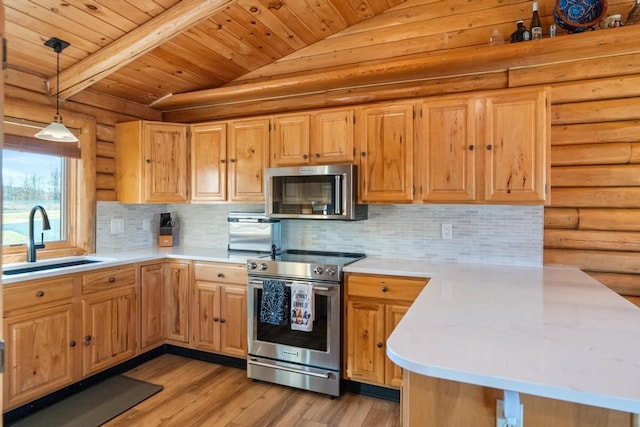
363	154
148	161
222	161
87	340
472	147
215	319
384	289
221	320
305	157
112	279
232	160
489	147
40	294
72	344
379	345
317	156
219	275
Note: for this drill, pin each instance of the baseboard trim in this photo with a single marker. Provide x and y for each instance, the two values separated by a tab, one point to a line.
378	392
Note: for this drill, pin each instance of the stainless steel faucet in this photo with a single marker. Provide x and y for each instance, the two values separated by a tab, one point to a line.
32	246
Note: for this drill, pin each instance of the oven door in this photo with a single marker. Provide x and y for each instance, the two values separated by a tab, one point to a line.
319	347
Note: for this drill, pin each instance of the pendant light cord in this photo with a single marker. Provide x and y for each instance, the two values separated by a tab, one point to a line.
58	49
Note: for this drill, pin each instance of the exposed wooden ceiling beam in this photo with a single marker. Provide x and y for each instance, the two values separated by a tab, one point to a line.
432	65
134	44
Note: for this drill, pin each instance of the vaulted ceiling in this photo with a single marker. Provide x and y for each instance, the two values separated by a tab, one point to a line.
149	51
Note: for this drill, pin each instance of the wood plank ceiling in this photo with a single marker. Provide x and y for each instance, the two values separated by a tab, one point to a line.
162	51
152	51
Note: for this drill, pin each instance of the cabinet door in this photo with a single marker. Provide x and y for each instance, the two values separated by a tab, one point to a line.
290	143
365	341
386	159
209	162
332	136
516	146
446	150
233	321
248	155
151	288
207	316
393	372
176	302
166	163
108	329
40	354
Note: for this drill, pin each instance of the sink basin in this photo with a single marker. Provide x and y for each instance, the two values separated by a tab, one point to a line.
49	265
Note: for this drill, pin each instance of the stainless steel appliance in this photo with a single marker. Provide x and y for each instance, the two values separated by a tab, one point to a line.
253	232
278	354
313	192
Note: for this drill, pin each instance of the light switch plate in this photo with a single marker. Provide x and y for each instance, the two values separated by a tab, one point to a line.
447	231
117	225
146	224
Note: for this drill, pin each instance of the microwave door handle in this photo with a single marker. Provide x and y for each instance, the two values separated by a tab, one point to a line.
337	195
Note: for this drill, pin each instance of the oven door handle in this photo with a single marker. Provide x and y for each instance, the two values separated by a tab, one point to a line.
258	284
285	368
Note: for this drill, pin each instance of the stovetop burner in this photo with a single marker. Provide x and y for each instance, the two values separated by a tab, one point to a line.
303	264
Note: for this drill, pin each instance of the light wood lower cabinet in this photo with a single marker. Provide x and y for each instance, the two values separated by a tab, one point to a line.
164	303
220	308
374	306
40	353
109	318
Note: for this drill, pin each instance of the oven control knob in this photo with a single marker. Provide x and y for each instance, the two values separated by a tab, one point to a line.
318	270
331	271
262	266
252	265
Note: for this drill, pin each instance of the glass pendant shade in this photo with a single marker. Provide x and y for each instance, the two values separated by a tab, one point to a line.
56	132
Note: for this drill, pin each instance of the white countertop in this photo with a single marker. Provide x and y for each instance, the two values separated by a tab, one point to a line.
553	332
112	259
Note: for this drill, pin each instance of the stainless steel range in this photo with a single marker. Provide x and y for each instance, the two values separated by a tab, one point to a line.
287	346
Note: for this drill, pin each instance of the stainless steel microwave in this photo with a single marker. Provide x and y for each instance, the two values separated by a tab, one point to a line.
313	192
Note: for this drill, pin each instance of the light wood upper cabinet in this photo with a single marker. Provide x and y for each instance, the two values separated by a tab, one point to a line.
209	162
290	140
152	162
385	136
485	148
332	136
248	156
516	146
446	150
318	137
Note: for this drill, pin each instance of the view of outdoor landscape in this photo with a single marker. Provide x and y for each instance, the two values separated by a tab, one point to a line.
30	179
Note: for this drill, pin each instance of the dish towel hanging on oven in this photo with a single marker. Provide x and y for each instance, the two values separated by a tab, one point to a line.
274	305
302	307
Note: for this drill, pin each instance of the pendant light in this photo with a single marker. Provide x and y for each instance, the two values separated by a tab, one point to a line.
56	131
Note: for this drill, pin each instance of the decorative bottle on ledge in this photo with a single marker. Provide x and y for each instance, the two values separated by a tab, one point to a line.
521	33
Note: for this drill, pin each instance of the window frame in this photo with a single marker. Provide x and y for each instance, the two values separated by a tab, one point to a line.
81	193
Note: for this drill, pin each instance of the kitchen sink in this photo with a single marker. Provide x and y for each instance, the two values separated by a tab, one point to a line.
49	265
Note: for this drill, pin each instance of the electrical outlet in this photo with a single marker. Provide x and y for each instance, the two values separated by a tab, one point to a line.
502	422
117	225
447	231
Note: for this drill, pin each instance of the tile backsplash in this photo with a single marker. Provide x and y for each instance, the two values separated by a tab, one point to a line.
494	234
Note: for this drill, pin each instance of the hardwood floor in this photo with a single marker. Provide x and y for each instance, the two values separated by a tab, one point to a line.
203	394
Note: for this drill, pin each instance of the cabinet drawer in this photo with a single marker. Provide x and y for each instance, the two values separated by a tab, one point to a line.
25	295
222	273
385	287
108	279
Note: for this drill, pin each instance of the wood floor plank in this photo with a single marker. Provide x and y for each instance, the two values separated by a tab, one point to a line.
198	393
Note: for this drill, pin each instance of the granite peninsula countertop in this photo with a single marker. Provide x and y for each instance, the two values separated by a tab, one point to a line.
548	331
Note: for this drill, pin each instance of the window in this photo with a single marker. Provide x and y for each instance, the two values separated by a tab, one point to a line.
73	216
30	179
